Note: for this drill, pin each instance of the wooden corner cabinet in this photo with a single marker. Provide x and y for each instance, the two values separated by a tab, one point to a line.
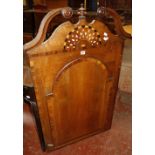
75	75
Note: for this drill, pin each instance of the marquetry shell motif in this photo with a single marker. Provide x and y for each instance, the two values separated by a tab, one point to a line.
84	36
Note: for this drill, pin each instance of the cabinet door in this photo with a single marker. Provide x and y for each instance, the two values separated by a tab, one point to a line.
79	100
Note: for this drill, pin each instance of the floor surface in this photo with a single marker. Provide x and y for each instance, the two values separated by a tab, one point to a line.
116	141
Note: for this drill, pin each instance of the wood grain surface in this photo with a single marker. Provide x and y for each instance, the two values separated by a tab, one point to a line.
75	74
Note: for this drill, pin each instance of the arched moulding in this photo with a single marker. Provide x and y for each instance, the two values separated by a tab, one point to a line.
117	21
72	63
40	37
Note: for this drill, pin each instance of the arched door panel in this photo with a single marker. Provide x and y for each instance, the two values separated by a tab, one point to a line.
79	100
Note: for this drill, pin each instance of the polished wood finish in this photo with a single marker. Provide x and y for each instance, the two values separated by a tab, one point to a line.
75	74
